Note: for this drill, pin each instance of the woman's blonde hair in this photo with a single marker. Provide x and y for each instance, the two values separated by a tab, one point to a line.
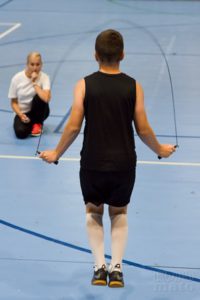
35	54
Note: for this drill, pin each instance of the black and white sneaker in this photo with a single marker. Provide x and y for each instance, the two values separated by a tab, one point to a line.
100	276
116	277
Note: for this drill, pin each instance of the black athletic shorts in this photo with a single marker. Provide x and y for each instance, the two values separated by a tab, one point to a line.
112	188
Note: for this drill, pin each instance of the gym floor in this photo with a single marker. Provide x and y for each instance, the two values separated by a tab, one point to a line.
44	251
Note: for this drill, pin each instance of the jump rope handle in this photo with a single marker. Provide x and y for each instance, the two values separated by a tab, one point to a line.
175	146
55	162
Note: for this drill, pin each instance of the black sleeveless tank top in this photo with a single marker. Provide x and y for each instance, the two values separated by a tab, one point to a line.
109	103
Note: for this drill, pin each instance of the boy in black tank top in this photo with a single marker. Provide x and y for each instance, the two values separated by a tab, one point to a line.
110	101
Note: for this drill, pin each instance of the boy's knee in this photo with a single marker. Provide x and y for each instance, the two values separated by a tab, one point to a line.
21	134
114	211
91	208
93	219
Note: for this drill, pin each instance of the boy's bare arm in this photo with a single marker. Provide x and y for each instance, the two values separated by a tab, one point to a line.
144	130
72	127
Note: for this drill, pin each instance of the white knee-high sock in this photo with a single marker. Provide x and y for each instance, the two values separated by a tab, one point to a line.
95	232
119	234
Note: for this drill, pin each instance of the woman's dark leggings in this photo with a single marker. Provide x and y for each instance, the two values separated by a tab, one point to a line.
38	113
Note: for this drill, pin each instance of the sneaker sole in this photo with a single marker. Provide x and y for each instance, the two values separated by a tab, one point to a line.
99	282
116	284
35	134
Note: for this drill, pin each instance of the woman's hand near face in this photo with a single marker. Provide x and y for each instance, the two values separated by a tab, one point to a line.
34	76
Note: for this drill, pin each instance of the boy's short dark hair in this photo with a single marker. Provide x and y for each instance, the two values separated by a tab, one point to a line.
109	46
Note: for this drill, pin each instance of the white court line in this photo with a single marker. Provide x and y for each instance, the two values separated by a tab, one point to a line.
13	27
142	162
36	158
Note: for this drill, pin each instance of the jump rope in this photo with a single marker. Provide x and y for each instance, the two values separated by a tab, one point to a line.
171	88
74	44
38	145
37	150
149	33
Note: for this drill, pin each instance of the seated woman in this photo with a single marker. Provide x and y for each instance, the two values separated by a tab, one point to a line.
30	95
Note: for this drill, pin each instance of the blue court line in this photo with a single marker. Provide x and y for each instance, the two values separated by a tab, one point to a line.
11	112
64	118
6	110
78	248
142	10
5	3
56	130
